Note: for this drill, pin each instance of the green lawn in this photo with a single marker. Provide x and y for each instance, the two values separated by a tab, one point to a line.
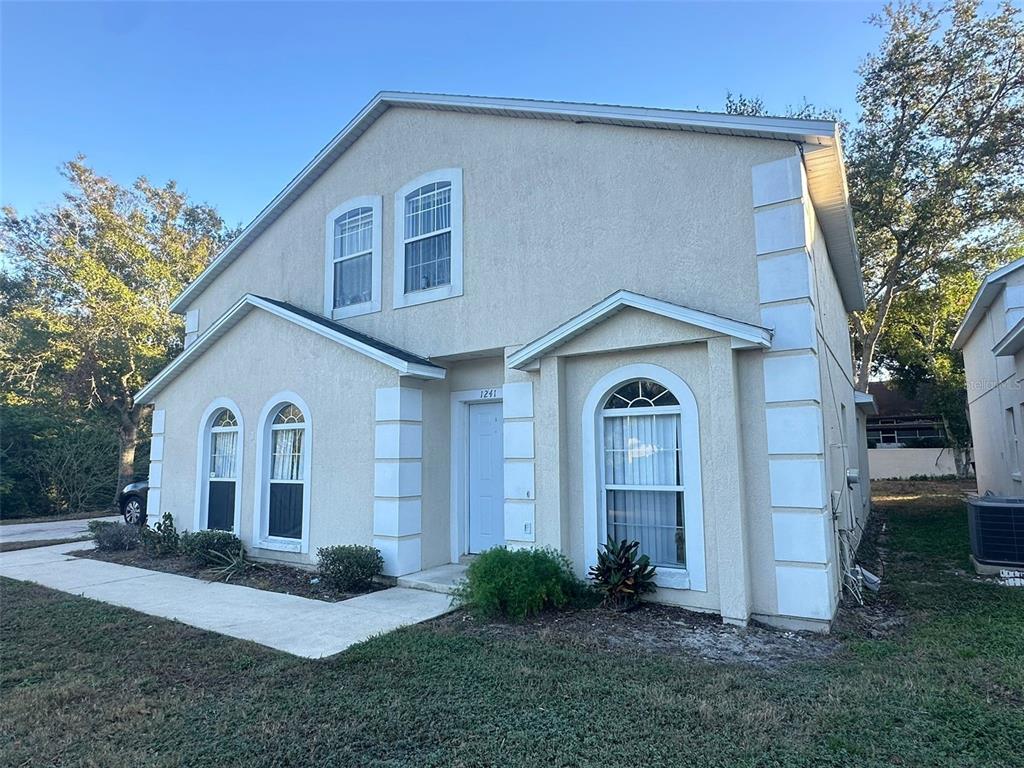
86	684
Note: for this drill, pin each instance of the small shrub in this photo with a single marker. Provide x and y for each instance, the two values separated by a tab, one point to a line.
227	565
349	567
162	539
200	545
519	583
114	537
622	574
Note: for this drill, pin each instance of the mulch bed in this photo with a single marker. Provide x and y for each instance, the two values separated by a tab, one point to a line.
657	629
271	577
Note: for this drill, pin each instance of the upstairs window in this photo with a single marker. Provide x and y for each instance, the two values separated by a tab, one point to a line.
428	238
353	262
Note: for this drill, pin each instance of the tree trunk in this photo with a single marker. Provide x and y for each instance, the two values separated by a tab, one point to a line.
868	338
128	437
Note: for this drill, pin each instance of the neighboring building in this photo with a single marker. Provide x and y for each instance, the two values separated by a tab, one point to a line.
904	439
471	322
992	340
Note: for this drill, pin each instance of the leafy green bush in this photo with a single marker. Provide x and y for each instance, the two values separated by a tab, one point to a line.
163	539
622	574
349	567
519	583
114	537
200	546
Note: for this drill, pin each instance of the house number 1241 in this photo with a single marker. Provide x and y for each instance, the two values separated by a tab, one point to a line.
488	394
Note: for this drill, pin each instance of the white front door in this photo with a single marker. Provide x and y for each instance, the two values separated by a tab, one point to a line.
486	478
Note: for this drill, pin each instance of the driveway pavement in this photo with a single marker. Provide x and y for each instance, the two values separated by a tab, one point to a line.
60	529
296	625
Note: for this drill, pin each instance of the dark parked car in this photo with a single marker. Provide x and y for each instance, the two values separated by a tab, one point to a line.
132	501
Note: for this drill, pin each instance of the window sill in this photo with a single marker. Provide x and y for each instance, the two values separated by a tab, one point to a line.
354	310
423	297
672	578
281	545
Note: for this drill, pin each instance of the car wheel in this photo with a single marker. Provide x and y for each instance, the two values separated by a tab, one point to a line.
132	510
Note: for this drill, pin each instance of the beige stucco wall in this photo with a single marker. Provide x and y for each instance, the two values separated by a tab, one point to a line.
259	357
557	216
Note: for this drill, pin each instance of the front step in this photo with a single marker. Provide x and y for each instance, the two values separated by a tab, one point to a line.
441	579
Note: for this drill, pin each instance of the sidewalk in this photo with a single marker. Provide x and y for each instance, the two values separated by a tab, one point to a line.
296	625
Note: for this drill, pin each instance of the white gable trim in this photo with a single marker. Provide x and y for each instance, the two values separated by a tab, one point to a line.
987	292
827	177
242	308
744	335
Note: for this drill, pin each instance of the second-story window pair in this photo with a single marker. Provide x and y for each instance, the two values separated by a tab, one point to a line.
428	247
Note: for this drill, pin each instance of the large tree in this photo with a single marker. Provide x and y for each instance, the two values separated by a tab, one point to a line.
89	322
936	161
936	157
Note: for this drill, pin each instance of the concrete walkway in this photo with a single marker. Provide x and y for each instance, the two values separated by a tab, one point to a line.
58	529
296	625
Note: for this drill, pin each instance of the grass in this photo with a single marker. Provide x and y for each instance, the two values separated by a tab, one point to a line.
82	683
14	546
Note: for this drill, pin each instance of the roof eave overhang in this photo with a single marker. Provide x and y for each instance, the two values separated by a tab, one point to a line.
866	402
743	335
242	308
819	135
983	299
1012	342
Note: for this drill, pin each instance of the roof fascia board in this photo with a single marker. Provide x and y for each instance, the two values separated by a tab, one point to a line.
744	335
983	299
1012	342
241	308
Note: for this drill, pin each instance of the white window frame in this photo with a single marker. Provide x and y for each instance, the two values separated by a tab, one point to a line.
261	506
199	517
454	288
375	203
595	515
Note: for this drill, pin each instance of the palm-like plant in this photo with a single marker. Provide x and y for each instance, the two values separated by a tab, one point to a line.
623	574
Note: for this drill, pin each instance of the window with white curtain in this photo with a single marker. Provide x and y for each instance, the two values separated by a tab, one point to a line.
352	256
287	445
643	479
224	446
428	238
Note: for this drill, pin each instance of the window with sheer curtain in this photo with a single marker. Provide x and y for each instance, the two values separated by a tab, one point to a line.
643	477
428	236
224	446
287	439
353	257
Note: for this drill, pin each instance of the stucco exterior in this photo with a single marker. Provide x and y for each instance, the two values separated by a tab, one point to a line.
995	396
718	280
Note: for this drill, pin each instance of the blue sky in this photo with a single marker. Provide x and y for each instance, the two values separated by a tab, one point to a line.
232	99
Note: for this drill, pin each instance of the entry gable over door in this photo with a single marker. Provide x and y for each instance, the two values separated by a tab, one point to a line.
744	335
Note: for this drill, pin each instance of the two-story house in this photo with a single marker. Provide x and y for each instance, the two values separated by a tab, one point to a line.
991	338
473	322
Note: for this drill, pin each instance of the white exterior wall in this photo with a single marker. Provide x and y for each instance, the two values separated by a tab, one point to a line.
994	385
901	463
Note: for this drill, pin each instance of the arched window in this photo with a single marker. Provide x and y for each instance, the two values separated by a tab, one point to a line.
284	444
219	467
353	262
428	238
287	485
643	472
641	449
